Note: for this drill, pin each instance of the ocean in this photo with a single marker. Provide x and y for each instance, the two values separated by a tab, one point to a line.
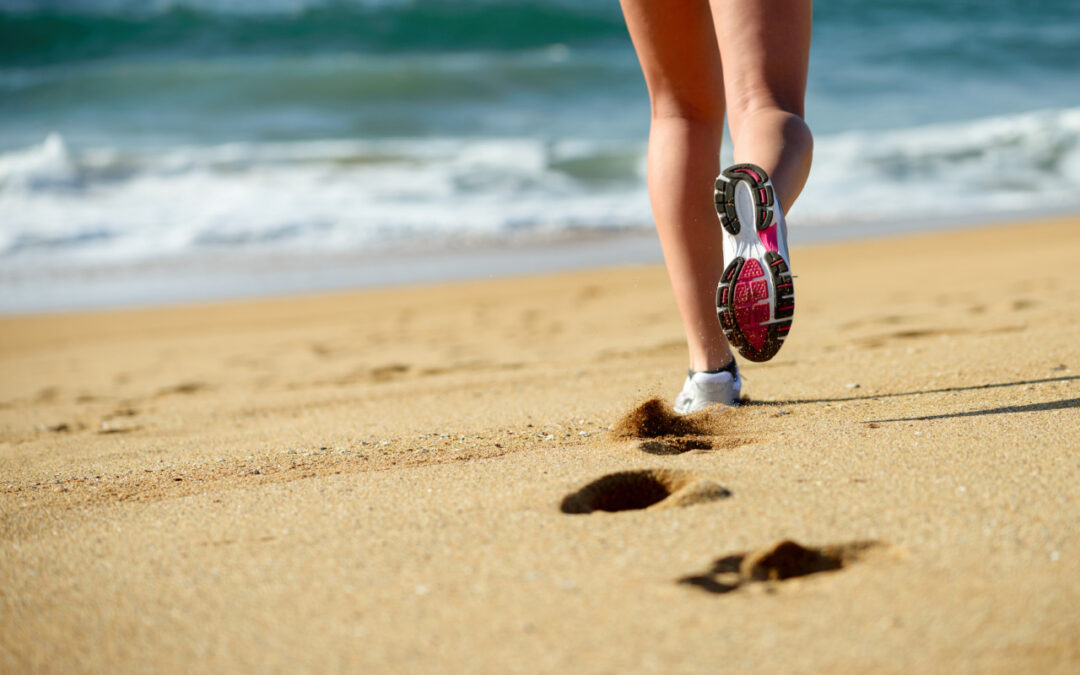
146	147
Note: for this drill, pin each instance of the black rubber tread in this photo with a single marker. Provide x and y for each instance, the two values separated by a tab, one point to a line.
725	304
784	297
724	196
725	206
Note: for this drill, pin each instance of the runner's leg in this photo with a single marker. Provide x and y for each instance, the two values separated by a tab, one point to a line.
765	49
676	45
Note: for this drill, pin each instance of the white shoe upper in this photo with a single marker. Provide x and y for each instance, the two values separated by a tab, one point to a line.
704	389
743	244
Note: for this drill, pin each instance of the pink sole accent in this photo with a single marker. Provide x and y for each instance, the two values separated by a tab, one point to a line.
751	312
769	239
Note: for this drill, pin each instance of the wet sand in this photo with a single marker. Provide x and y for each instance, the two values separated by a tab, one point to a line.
456	478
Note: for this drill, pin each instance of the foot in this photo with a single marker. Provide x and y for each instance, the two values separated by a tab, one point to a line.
755	299
704	389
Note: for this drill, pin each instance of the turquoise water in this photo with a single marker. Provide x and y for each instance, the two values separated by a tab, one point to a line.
101	71
133	132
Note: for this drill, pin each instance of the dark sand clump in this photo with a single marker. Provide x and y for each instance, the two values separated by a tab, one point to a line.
656	419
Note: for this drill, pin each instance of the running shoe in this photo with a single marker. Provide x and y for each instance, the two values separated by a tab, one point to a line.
703	389
755	299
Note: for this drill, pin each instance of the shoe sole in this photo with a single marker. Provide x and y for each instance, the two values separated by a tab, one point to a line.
755	299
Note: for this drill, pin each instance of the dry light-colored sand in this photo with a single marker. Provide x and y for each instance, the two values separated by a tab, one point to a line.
413	480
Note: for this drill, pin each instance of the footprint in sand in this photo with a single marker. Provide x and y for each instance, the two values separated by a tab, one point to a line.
47	395
388	372
635	490
779	562
183	388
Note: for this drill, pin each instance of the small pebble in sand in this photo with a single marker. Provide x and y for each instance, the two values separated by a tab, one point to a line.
853	385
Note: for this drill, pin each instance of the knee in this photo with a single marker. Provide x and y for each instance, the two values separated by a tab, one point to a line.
697	107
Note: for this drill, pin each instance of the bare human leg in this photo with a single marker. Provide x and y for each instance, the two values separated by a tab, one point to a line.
676	45
765	48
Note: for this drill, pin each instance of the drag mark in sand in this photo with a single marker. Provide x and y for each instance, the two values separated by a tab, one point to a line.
659	430
635	490
169	482
779	562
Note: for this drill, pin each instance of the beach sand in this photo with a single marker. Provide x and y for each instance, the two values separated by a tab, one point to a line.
406	480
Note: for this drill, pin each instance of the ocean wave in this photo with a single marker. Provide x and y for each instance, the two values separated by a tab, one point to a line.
64	32
321	195
1004	164
108	205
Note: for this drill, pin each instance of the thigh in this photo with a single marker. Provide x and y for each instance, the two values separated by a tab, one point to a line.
765	51
676	45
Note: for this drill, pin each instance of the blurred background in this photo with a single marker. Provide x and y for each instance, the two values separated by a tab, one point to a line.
155	151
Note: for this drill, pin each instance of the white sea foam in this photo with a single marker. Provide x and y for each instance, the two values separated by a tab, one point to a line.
108	206
983	168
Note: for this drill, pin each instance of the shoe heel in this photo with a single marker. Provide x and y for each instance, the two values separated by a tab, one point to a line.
760	188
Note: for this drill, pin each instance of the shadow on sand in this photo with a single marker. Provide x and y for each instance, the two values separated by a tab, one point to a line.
944	390
1033	407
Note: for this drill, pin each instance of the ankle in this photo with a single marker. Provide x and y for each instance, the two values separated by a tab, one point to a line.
716	364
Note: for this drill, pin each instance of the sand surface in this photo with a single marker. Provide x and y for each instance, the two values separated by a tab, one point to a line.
406	480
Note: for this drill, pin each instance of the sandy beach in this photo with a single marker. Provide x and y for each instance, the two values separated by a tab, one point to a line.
415	479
